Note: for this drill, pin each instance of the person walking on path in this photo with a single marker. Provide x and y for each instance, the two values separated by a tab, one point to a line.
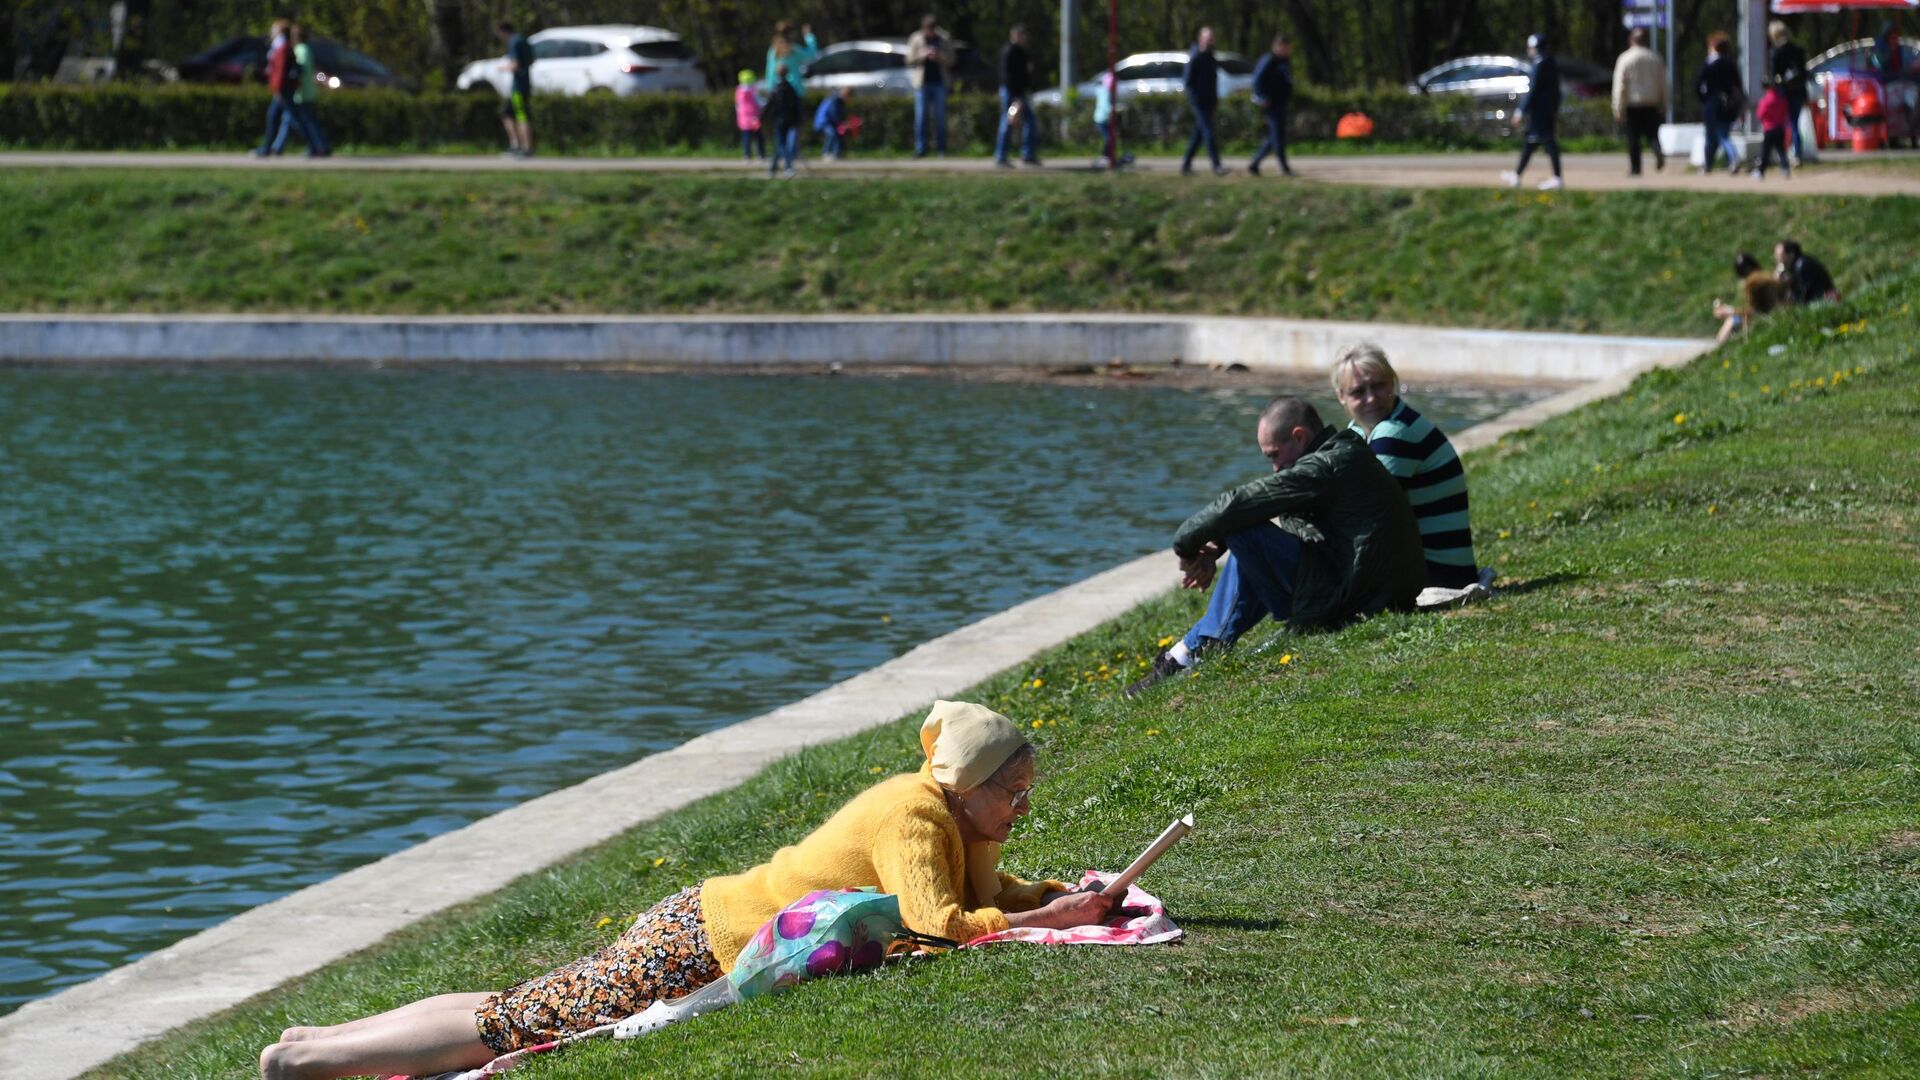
1273	93
930	59
746	116
795	51
280	75
1016	104
1327	538
1788	68
1542	110
516	113
1202	82
783	116
1772	112
300	112
1640	94
1721	101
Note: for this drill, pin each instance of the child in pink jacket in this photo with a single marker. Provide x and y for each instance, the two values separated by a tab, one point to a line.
1774	116
746	116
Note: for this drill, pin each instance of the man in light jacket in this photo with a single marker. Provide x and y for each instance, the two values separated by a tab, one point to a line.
930	69
1640	89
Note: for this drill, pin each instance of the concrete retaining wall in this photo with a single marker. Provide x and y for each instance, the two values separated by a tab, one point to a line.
1419	351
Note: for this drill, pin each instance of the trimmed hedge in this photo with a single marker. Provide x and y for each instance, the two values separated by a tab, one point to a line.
136	117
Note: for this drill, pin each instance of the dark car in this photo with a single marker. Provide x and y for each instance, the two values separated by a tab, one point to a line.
336	67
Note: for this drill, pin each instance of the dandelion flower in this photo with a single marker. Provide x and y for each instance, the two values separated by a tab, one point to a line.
1153	731
1713	508
1166	641
604	920
1038	683
876	770
1286	658
661	861
1679	418
1506	534
1038	723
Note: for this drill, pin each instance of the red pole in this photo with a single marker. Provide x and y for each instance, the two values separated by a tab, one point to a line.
1113	85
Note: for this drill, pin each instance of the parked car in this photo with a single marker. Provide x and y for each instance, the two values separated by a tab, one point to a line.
574	60
879	66
1504	78
1159	73
244	59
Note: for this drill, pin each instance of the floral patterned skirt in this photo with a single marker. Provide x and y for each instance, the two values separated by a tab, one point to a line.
663	955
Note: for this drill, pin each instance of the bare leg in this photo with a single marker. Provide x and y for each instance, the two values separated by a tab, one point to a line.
469	1002
526	135
431	1036
513	133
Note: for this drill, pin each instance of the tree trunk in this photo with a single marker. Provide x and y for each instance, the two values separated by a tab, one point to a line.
1322	66
446	40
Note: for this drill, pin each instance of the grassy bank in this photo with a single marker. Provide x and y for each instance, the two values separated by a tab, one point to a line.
1652	812
500	243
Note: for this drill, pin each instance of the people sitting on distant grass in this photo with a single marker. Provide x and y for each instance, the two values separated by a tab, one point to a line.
930	837
1762	290
1806	278
1327	537
1418	455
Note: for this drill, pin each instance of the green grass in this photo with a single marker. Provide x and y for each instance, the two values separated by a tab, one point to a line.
162	241
1654	811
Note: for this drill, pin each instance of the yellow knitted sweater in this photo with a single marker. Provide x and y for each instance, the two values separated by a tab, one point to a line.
897	835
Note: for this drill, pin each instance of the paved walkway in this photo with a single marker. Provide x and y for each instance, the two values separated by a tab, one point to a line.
1584	172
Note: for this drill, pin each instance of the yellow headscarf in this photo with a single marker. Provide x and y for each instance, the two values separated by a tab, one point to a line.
965	744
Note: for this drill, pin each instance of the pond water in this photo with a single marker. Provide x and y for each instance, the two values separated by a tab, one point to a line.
261	626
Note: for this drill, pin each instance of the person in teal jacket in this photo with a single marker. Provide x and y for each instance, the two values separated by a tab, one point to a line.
795	52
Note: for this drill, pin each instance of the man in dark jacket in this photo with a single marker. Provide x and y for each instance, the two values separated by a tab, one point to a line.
1202	82
1328	537
1542	110
1722	101
1273	93
1806	277
1016	106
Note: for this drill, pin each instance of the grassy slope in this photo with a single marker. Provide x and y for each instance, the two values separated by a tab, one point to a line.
218	241
1652	812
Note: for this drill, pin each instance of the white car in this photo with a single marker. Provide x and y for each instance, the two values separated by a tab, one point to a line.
1158	73
574	60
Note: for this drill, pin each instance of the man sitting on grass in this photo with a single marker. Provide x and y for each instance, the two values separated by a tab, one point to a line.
1328	537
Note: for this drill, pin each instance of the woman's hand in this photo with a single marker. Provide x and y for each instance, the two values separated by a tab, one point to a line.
1078	909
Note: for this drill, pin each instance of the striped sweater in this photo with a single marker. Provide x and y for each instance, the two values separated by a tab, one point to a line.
1420	457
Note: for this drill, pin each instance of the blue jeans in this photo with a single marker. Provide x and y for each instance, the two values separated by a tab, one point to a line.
1255	583
836	142
786	143
277	110
1202	132
1276	139
1029	131
1719	137
300	115
930	109
752	140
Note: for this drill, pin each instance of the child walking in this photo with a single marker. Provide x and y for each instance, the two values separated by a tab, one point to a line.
746	117
1774	114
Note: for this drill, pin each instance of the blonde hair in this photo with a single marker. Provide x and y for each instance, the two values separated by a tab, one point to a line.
1364	356
1778	33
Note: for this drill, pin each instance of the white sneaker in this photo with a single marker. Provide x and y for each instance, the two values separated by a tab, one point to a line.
1510	178
1758	175
1552	183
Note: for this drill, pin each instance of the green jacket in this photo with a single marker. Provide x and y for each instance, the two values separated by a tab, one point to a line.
1362	553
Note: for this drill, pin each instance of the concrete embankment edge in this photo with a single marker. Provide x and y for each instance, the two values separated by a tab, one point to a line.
87	1025
813	341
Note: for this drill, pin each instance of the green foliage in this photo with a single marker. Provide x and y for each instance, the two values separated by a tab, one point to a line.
544	242
133	117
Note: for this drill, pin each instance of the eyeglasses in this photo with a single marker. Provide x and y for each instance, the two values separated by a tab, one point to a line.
1016	796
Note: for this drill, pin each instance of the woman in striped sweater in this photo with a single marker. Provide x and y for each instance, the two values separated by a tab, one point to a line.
1417	454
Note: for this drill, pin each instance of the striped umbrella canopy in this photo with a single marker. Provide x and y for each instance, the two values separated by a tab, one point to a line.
1808	7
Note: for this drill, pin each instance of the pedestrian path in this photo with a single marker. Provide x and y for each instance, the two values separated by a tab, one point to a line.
1890	173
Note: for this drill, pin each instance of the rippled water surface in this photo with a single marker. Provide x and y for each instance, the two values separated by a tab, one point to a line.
258	627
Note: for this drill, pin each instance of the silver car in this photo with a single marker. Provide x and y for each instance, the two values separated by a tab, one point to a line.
1504	78
879	66
572	60
1158	73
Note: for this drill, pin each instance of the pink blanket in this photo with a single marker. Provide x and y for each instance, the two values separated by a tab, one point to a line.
1142	920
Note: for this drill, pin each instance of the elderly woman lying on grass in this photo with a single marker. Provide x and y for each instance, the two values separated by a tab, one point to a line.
932	837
